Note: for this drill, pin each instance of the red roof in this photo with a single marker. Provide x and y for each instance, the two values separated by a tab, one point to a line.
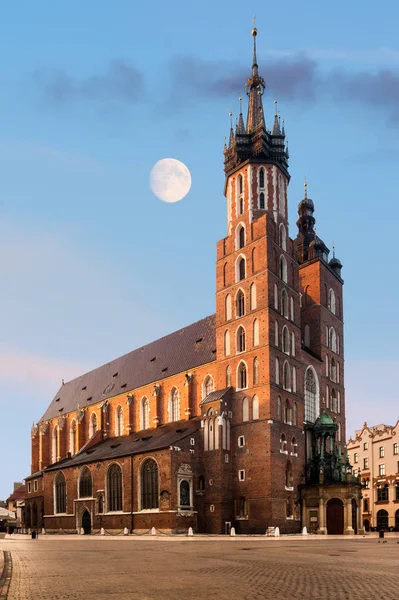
19	493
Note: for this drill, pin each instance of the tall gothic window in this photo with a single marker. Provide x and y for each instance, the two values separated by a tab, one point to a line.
261	177
228	307
255	336
286	340
245	409
54	445
241	237
85	483
240	184
72	438
242	376
240	339
331	300
310	396
225	275
60	493
279	408
241	269
284	304
252	297
144	413
262	201
240	304
256	371
286	376
283	269
228	376
282	237
227	343
119	420
93	424
184	493
208	386
149	485
174	405
114	488
255	408
332	340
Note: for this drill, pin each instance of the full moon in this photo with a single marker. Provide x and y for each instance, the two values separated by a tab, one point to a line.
170	180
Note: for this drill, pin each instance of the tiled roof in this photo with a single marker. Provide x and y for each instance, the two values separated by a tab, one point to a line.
34	475
18	494
180	351
140	442
216	395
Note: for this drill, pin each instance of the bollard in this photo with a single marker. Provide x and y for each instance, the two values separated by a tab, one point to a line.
304	531
277	532
232	531
82	531
190	531
43	531
125	531
102	531
153	531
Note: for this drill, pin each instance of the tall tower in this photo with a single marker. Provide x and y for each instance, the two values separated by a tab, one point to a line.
258	319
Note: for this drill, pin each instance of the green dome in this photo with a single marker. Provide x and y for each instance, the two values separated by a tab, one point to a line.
325	421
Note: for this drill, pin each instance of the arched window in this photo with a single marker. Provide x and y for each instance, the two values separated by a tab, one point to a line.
252	296
184	493
331	300
284	304
288	476
60	493
261	177
292	309
224	274
119	421
216	432
54	445
242	376
262	201
144	413
338	401
276	333
85	483
294	414
332	340
282	237
114	488
327	397
201	483
256	370
253	260
281	197
174	405
334	405
240	342
240	270
287	413
240	236
277	371
93	424
327	367
256	332
311	396
275	297
279	408
245	409
283	269
240	304
286	377
208	386
228	376
286	340
333	370
339	432
293	343
255	408
241	206
227	343
294	379
338	373
283	443
240	184
72	437
306	335
294	447
149	485
228	307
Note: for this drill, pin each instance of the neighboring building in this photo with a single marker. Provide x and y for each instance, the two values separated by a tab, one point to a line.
16	503
374	455
236	420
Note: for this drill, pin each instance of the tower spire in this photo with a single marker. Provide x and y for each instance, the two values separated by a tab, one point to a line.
241	125
254	89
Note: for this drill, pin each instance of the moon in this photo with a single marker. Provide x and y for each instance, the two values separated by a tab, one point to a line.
170	180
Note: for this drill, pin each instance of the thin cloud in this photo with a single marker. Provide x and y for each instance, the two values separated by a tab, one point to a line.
120	82
379	56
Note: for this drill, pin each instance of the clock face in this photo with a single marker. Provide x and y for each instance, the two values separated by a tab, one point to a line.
108	389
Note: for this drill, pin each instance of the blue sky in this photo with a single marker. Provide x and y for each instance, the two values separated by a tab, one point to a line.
93	94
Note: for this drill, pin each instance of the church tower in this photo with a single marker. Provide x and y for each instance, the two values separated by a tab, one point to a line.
258	336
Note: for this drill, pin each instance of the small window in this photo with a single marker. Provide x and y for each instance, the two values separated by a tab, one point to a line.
228	307
255	408
331	301
356	458
382	492
365	446
242	376
286	340
396	448
275	296
241	475
294	447
256	371
35	486
29	487
261	177
227	343
255	332
240	304
365	463
241	237
283	269
241	441
245	409
279	408
262	201
252	297
240	339
240	184
381	469
282	237
382	451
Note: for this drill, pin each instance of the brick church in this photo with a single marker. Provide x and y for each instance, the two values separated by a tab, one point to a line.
236	420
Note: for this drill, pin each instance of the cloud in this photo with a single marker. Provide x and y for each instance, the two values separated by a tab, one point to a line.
378	56
294	78
30	151
121	82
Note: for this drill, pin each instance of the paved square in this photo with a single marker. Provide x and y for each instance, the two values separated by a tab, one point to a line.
157	568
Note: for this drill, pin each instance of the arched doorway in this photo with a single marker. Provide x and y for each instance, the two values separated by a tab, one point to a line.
335	517
354	515
382	520
366	524
86	522
397	520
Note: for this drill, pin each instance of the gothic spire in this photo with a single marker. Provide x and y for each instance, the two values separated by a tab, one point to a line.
276	124
241	125
254	88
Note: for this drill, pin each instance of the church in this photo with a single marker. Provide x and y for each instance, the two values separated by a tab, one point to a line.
237	420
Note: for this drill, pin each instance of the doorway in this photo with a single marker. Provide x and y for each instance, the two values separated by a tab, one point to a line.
335	517
86	522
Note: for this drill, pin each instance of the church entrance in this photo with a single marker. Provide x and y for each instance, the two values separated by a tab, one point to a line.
335	517
86	522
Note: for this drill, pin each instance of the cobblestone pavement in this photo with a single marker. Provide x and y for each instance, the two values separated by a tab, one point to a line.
152	569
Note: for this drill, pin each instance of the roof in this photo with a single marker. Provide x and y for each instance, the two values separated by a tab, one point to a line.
216	395
147	440
7	514
18	494
180	351
34	475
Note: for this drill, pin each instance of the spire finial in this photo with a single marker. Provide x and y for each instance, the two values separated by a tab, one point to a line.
333	248
275	107
240	104
231	119
254	34
305	185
